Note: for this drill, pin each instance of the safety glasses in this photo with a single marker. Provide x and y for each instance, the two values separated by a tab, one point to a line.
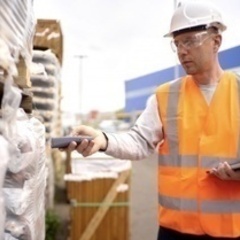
190	42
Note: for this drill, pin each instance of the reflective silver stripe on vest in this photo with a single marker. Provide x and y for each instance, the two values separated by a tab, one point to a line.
205	206
171	119
178	203
178	160
192	161
227	206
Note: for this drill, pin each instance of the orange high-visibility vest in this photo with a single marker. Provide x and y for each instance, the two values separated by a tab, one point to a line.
197	137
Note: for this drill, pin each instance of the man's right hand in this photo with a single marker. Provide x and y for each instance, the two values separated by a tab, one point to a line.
86	147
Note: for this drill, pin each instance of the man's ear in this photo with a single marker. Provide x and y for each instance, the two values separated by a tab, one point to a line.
217	42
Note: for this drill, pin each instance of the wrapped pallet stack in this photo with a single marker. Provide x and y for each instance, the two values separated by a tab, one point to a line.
45	80
22	137
46	90
25	180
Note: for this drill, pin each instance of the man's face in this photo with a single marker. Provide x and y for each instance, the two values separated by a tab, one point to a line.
195	51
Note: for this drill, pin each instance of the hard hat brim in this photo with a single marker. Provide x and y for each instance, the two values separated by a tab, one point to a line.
219	26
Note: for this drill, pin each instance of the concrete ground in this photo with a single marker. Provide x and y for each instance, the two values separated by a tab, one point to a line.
143	203
144	200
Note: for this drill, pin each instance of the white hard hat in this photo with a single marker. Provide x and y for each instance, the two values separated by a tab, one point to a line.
190	15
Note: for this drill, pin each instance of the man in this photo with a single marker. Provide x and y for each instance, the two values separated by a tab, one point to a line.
194	123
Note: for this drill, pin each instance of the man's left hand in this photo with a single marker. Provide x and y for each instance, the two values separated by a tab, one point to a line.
225	172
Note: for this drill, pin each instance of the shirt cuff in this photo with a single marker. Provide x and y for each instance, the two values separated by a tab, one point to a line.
106	138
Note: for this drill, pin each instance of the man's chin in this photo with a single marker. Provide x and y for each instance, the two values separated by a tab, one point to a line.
189	71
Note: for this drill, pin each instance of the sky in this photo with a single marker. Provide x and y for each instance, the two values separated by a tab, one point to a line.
117	40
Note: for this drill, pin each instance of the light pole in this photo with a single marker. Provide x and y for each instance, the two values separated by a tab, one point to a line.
80	57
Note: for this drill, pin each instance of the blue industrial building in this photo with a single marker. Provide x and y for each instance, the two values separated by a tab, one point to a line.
138	90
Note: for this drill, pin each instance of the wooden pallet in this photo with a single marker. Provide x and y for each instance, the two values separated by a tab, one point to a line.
98	211
48	35
23	79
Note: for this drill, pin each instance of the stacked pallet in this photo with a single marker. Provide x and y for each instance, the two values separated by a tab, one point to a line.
98	190
22	139
46	90
49	35
46	74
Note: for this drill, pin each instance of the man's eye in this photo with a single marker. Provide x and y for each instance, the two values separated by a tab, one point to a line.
176	44
188	42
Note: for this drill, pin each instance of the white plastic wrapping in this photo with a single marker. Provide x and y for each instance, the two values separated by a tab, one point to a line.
18	200
17	228
3	215
23	188
8	236
10	103
24	151
7	61
41	177
33	219
17	26
96	166
4	159
25	182
4	156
